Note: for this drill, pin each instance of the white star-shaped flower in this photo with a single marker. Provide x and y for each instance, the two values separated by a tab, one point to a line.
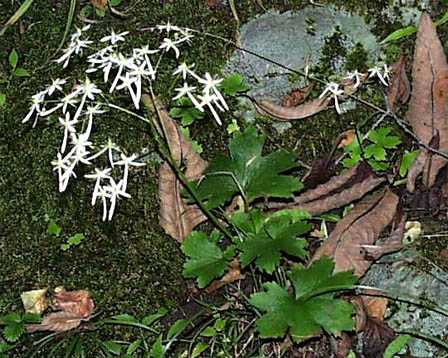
168	44
98	175
56	85
36	101
334	90
184	69
188	91
356	77
115	190
376	72
69	128
127	162
114	38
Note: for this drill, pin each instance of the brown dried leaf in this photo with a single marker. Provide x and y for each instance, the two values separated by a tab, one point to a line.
302	111
428	108
74	306
99	4
56	322
376	307
297	96
347	138
176	217
339	191
399	89
234	274
361	226
78	303
35	301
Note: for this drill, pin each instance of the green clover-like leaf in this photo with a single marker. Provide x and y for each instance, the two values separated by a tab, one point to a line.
185	110
407	161
234	84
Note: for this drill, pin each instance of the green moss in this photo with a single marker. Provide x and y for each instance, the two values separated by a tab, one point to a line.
357	59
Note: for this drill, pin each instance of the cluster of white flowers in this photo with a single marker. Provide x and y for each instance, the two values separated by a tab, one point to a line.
79	106
382	72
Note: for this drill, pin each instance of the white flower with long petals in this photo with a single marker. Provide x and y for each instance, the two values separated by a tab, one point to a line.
210	86
56	85
88	90
36	101
98	176
184	69
208	100
188	91
356	77
127	162
127	82
69	128
115	190
61	165
333	89
377	72
167	28
168	44
104	195
114	38
122	63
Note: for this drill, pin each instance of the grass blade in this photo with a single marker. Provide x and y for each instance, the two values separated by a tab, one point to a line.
17	15
68	24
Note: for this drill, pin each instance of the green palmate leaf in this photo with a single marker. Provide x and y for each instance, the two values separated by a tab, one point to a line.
2	99
396	345
13	331
266	239
319	278
407	161
354	151
13	59
234	84
382	138
185	110
311	309
13	317
115	2
247	172
206	259
400	33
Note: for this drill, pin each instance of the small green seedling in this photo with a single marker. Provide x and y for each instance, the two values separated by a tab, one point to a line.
13	62
72	241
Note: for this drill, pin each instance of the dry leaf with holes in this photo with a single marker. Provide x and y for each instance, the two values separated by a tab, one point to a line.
428	108
35	301
361	227
73	308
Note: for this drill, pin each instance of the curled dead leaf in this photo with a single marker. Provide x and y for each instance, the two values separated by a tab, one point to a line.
234	274
339	191
361	226
302	111
297	96
428	108
56	322
176	217
99	4
399	89
74	307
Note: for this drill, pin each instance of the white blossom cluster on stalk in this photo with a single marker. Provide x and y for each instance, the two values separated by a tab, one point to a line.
333	90
79	107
